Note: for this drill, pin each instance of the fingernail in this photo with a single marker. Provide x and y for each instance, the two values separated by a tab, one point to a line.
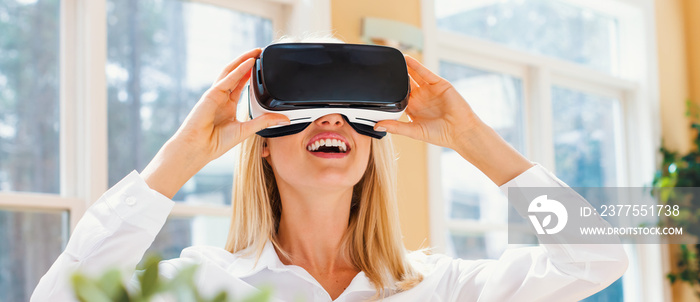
381	129
282	123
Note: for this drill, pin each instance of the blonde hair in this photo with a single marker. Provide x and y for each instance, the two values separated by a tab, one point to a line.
372	242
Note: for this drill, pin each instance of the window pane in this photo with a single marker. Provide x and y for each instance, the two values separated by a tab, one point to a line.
181	232
549	27
497	100
162	56
584	138
469	194
478	245
29	95
35	241
585	149
614	292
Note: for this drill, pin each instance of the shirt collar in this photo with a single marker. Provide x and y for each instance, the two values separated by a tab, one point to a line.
245	266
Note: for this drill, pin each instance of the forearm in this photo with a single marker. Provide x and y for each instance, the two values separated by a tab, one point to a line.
174	164
597	263
491	154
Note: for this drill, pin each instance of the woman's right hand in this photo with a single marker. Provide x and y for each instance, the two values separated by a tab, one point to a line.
209	131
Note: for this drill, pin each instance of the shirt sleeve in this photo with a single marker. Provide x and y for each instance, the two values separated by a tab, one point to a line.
115	232
548	272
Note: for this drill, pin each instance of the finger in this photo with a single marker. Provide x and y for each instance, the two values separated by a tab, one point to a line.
424	73
235	94
253	53
232	80
262	122
414	84
411	130
234	97
417	78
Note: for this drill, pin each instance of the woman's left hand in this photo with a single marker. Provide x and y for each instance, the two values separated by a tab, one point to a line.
438	113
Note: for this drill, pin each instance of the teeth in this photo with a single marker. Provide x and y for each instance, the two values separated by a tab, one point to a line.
328	143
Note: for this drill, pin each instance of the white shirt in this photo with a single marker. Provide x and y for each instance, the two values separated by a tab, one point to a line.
121	225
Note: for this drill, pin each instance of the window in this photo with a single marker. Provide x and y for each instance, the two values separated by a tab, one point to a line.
585	137
181	232
91	89
550	27
560	81
161	57
36	238
29	141
29	96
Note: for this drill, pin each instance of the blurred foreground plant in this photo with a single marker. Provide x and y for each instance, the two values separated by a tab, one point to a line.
110	287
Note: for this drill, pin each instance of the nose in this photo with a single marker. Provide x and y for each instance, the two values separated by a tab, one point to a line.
334	120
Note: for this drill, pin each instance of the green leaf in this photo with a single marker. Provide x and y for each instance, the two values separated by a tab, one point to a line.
87	290
185	277
221	297
149	278
264	295
671	277
182	285
111	284
109	287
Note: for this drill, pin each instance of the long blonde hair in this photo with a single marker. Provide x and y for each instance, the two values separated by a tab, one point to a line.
372	242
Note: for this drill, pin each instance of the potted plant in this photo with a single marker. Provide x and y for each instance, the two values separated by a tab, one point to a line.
684	171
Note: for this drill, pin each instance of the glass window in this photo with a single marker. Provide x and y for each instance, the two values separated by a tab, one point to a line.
489	245
585	149
497	100
549	27
475	246
181	232
584	138
162	56
35	241
495	97
469	194
29	95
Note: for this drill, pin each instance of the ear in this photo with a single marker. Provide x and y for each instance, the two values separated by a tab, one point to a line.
265	149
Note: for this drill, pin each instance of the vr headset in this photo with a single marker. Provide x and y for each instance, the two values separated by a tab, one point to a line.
305	81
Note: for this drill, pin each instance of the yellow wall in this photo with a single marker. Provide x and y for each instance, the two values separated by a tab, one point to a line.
678	37
346	20
692	31
673	73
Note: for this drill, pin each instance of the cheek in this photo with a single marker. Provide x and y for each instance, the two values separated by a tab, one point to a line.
282	153
363	155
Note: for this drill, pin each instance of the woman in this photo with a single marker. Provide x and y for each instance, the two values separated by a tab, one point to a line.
323	228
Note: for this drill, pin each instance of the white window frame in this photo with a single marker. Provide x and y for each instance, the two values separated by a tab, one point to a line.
636	87
83	100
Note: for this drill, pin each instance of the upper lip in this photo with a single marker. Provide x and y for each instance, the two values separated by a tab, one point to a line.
328	135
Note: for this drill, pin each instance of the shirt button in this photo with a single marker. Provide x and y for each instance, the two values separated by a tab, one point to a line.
130	201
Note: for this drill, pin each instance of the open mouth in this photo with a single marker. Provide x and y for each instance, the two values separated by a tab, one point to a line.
328	145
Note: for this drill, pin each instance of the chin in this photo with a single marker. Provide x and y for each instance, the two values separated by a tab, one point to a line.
333	179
